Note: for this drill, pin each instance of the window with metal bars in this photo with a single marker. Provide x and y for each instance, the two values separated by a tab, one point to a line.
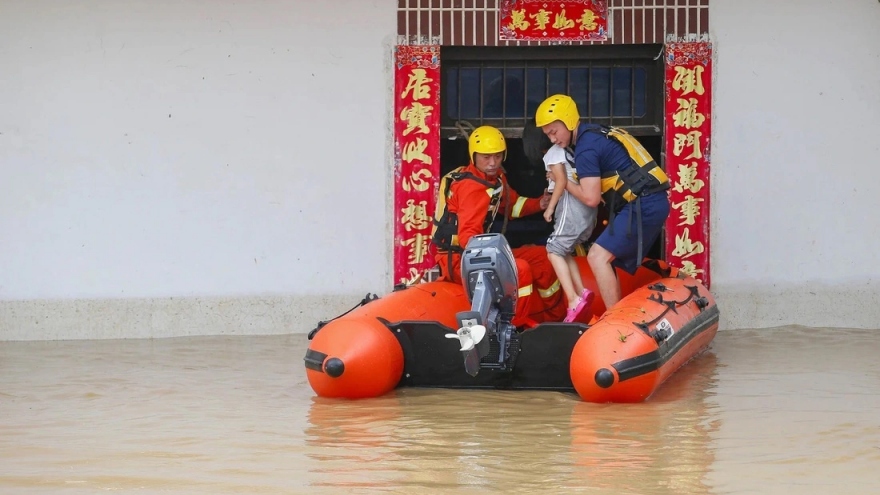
620	85
503	86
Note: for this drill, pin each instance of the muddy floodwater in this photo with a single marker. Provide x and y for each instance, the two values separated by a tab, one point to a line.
781	411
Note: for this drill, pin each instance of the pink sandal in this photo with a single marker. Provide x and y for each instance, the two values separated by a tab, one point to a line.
588	296
585	300
572	313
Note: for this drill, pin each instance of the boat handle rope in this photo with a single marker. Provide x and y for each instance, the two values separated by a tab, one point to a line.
370	297
693	294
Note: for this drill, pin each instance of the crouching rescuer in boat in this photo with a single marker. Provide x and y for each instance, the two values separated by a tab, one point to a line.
477	199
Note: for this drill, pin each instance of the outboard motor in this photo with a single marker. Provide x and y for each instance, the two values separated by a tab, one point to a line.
488	273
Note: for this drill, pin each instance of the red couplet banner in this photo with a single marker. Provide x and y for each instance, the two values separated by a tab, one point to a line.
553	20
416	157
688	133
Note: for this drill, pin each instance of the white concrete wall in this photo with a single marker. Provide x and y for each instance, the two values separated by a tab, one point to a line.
179	168
795	157
183	167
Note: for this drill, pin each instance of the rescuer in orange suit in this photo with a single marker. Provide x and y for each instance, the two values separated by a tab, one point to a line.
477	199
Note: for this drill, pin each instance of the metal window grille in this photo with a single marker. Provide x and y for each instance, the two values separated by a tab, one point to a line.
612	85
475	22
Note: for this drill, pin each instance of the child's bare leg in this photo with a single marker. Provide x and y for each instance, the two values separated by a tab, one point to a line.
564	275
576	281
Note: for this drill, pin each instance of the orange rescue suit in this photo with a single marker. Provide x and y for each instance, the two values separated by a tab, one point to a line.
470	204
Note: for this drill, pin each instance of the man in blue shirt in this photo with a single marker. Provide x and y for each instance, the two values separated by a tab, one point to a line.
613	168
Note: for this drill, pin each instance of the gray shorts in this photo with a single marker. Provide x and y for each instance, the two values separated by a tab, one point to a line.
574	224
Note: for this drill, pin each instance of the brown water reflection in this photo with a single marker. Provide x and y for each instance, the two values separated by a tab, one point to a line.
435	441
771	411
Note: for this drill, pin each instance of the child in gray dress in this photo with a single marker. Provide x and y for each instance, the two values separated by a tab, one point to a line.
574	224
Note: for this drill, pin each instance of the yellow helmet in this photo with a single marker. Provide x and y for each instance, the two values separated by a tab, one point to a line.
558	107
486	139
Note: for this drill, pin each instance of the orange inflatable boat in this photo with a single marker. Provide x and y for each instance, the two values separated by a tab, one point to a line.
442	334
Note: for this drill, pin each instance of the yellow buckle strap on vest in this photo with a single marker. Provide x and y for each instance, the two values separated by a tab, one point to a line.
444	232
639	154
524	291
549	291
641	177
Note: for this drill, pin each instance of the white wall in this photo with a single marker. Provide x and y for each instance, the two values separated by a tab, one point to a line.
261	205
173	168
795	157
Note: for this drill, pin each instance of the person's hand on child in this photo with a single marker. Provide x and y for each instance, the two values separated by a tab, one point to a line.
545	200
548	214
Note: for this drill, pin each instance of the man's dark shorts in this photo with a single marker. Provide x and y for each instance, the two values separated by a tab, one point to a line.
621	236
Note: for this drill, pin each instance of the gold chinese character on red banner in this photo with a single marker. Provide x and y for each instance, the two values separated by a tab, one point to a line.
688	80
588	21
418	248
418	181
418	84
687	179
542	18
686	248
692	140
411	277
415	150
415	116
690	269
415	216
689	209
687	115
518	20
562	23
